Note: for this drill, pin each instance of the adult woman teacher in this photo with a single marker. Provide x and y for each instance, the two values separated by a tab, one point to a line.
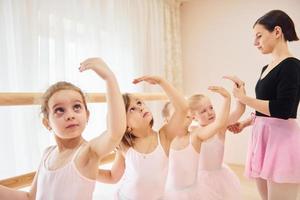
274	155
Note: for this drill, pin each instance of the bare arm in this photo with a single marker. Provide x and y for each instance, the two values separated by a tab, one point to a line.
116	172
220	123
239	126
236	114
176	123
261	106
12	194
116	118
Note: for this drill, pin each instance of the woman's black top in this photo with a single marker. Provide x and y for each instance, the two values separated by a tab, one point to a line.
281	86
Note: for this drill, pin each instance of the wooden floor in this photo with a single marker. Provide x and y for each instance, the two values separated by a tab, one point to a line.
249	191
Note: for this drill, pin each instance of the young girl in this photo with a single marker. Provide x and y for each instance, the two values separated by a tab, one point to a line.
212	172
274	154
68	170
182	182
142	158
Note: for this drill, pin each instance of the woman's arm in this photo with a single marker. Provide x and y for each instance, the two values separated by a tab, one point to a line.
239	92
261	106
237	127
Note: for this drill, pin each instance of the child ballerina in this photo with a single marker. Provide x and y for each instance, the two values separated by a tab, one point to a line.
68	170
212	172
142	158
184	153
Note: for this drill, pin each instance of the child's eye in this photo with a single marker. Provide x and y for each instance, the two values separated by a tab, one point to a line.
77	107
132	109
139	103
203	111
58	110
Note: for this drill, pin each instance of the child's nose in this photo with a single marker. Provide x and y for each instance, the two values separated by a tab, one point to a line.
70	116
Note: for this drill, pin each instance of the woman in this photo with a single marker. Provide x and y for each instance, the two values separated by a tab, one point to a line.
274	154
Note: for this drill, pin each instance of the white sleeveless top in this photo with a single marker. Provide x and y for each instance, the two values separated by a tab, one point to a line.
183	167
145	174
212	153
65	183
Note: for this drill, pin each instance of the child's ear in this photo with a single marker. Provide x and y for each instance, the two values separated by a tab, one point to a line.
46	124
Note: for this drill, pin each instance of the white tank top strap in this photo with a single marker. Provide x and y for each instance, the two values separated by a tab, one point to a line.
158	138
76	152
48	152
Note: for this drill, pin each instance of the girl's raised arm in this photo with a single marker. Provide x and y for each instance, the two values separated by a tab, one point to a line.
116	117
175	126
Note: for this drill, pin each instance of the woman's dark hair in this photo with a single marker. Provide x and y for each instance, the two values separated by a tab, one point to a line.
128	138
281	19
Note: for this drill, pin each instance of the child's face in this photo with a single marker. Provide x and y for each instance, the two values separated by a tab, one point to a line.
205	114
67	114
138	114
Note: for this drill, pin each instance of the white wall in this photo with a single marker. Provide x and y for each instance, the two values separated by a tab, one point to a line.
217	39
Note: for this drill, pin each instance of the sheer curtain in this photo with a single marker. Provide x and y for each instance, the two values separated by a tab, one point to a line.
42	42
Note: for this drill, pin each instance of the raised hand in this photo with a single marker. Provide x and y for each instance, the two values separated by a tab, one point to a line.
97	65
238	92
236	127
238	88
238	82
150	79
222	91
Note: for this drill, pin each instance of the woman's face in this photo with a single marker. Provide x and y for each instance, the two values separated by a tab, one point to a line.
264	40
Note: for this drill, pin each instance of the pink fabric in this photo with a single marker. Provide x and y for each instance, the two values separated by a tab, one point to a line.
145	175
274	150
215	180
64	183
182	173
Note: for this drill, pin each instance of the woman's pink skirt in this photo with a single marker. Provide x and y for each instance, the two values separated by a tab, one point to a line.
274	150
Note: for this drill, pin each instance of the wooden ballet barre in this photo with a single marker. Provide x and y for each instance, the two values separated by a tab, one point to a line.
17	99
18	182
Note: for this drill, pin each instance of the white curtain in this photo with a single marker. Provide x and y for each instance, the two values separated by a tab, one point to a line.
42	42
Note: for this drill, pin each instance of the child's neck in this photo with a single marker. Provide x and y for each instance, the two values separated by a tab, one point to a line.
68	144
143	132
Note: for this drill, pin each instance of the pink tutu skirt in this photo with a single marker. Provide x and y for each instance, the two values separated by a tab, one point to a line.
219	184
195	192
274	150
